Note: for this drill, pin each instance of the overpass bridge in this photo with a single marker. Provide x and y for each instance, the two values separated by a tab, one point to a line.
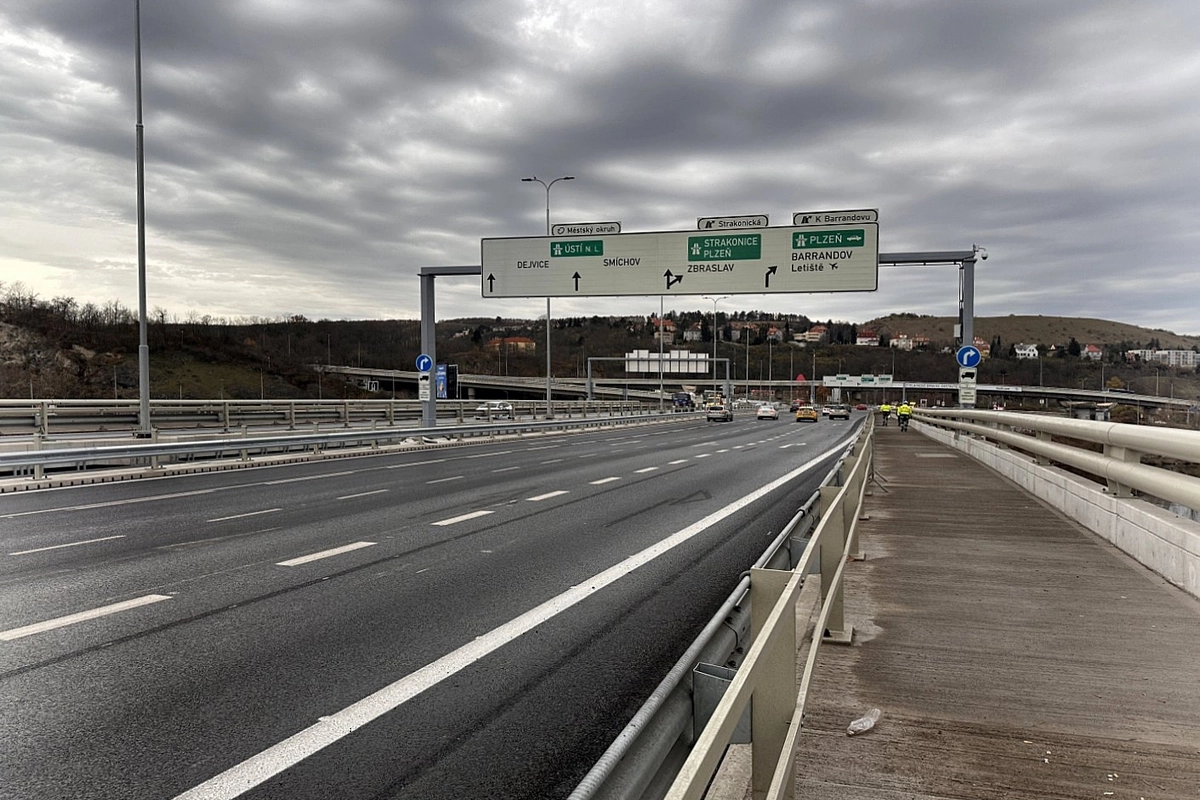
639	388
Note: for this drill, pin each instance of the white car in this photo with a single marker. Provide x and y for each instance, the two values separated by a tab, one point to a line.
767	411
494	409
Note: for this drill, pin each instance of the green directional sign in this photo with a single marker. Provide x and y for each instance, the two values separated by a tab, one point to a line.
731	247
805	240
577	247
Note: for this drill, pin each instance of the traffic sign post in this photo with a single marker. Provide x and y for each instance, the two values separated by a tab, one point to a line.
763	261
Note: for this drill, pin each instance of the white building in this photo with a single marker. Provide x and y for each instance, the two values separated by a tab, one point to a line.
1026	350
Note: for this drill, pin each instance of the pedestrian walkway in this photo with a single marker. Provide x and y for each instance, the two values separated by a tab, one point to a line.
1013	653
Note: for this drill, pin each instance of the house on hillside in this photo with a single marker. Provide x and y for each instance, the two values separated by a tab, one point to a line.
1025	350
867	338
511	344
817	333
1091	352
695	333
668	330
902	341
983	346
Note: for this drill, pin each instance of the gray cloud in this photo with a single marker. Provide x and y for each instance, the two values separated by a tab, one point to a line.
308	157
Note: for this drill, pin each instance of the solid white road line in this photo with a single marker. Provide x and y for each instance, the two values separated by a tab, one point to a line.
546	496
604	480
60	546
82	616
336	551
444	480
463	518
247	514
257	769
361	494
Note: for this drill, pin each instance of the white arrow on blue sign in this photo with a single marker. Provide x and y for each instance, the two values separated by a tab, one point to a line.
424	363
968	356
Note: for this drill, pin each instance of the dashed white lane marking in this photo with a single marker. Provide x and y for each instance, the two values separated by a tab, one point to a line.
415	463
82	616
703	455
604	480
308	478
61	546
463	518
505	469
247	514
335	551
553	461
361	494
726	450
546	496
444	480
242	777
677	461
647	469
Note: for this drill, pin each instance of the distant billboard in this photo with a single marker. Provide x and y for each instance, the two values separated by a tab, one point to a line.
674	362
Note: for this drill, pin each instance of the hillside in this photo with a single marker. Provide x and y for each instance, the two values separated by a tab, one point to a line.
1034	329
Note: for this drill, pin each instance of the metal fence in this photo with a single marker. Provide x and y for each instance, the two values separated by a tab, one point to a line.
673	744
47	417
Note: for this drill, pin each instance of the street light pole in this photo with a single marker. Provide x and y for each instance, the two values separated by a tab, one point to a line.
715	300
143	343
535	179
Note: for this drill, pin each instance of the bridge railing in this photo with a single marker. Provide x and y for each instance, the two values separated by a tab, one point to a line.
47	417
152	455
1112	453
678	737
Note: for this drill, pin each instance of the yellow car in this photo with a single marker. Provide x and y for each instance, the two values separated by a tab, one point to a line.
807	414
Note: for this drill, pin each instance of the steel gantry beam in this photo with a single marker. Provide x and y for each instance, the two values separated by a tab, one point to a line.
965	258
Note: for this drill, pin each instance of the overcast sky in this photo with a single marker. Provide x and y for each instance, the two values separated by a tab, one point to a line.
309	157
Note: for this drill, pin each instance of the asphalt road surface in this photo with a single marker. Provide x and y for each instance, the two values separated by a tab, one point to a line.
465	622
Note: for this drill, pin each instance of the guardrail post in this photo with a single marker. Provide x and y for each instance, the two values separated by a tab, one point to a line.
225	416
345	414
1115	488
391	413
774	697
291	416
850	506
833	544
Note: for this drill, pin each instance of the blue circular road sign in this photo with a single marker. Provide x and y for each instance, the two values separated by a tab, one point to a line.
424	363
968	356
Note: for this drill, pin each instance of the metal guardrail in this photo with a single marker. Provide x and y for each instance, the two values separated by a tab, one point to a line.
33	464
52	416
668	737
1118	465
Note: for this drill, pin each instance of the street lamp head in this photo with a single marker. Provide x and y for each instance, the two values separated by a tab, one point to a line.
529	179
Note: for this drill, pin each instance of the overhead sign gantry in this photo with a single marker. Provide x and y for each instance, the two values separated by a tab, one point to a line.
810	258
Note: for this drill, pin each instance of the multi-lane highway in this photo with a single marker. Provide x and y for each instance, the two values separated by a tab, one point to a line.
465	622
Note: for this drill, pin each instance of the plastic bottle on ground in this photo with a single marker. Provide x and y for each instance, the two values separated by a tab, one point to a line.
864	723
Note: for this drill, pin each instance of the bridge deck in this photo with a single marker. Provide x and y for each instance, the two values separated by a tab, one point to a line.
1013	653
